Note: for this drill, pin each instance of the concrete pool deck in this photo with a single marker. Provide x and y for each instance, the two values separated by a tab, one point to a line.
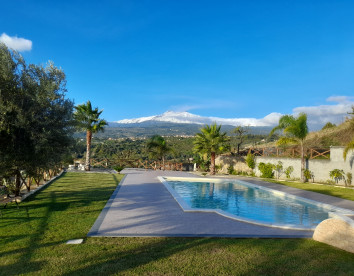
141	206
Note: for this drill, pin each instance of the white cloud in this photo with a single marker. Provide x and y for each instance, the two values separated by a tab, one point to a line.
340	99
321	114
16	43
185	117
318	116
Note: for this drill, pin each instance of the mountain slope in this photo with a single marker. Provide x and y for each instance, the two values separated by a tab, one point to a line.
189	118
336	136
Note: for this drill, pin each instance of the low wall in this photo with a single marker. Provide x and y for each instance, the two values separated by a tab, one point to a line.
238	162
319	167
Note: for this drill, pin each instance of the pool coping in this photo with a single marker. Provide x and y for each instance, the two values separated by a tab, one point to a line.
339	212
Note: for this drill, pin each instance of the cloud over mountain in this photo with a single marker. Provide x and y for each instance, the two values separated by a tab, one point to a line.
189	118
321	114
16	43
317	116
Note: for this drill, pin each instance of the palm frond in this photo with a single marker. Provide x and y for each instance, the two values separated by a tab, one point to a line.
350	146
286	141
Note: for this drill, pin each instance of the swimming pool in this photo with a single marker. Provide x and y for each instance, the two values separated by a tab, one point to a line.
248	202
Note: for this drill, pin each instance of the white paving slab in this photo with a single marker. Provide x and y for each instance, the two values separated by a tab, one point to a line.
76	241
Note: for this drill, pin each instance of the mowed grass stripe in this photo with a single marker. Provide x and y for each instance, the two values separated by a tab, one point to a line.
344	193
68	208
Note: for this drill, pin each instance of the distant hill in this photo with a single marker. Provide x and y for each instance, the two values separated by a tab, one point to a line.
116	130
339	135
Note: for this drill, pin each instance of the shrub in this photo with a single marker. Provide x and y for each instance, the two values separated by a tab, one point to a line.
250	160
279	168
309	175
336	174
266	170
118	168
349	178
217	168
230	169
288	171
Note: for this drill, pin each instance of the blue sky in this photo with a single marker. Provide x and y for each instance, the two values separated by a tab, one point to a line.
230	59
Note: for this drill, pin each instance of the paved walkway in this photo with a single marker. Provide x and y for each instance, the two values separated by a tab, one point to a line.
141	207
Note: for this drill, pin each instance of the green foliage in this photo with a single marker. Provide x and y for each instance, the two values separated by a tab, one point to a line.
88	119
337	174
350	146
308	175
210	140
266	170
157	147
251	161
240	133
293	127
279	168
118	168
295	131
328	125
288	171
36	119
349	178
230	169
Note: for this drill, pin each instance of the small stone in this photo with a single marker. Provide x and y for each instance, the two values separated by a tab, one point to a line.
76	241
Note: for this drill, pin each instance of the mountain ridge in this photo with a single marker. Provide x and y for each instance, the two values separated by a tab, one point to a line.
189	118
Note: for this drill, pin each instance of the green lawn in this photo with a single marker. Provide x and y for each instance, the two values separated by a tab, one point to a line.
344	193
69	206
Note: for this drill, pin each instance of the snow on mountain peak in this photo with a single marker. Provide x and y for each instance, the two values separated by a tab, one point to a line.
189	118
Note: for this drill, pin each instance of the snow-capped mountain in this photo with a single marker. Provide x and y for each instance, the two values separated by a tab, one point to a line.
189	118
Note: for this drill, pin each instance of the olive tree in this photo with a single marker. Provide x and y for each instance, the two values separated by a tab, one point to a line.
36	118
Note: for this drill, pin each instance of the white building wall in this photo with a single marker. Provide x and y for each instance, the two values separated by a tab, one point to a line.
319	167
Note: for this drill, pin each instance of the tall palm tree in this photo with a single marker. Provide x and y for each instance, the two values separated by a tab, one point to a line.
350	146
157	146
211	141
87	119
295	130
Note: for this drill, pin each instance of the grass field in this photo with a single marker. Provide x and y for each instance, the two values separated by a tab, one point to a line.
34	242
344	193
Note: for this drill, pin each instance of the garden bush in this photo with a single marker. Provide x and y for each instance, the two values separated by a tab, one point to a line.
266	170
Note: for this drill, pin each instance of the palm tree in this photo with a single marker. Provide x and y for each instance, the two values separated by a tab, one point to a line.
296	130
157	146
211	141
350	146
87	119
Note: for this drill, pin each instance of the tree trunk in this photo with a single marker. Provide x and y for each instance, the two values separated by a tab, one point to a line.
88	150
163	162
17	182
303	180
212	163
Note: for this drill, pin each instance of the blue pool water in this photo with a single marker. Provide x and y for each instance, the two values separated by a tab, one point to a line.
249	202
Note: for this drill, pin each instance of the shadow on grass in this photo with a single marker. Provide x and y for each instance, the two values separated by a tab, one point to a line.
24	263
24	232
31	252
211	256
